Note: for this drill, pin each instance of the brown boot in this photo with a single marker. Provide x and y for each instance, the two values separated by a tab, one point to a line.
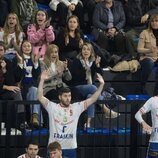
34	120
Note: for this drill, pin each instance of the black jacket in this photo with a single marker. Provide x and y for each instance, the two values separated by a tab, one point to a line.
78	73
12	76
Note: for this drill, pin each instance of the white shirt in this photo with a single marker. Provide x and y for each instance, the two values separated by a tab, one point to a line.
63	123
10	36
150	106
24	156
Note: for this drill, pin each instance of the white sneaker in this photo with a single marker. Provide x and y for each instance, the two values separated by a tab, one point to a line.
15	132
87	125
3	131
12	132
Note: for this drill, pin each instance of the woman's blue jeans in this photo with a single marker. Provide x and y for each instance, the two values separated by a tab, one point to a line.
147	66
86	91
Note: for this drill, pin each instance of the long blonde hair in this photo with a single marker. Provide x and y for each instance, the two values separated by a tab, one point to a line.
18	29
47	58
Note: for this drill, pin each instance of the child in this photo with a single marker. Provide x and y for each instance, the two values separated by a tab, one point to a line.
28	64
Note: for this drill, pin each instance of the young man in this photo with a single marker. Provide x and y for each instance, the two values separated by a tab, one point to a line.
54	149
31	150
150	106
63	117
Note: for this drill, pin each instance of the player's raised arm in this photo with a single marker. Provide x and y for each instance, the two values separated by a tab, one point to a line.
95	96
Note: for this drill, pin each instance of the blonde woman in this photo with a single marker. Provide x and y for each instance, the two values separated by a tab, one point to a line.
57	71
11	35
83	70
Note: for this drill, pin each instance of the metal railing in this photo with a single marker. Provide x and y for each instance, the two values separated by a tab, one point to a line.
120	137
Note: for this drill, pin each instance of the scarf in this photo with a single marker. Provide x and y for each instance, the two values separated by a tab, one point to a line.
87	67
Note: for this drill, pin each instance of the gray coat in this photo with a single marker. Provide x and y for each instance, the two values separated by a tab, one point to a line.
100	17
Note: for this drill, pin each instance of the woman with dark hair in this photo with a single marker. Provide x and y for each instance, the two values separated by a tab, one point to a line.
148	51
70	40
41	33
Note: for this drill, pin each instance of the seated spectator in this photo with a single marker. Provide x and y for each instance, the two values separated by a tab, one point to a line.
136	12
148	51
25	10
58	71
41	33
66	8
55	150
83	70
31	150
29	65
9	89
70	40
108	22
89	6
11	35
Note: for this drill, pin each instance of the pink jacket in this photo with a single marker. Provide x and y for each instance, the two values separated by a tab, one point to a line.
40	38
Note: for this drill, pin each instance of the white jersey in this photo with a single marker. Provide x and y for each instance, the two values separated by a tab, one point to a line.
152	106
63	123
24	156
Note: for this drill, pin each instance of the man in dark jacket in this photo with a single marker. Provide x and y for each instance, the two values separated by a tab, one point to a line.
108	21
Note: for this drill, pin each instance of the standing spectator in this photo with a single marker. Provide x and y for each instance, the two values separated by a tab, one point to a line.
31	150
41	33
108	21
137	14
63	117
65	8
150	106
30	68
148	50
11	35
70	40
55	150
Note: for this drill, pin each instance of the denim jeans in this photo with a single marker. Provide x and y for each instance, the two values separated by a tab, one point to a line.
10	56
86	91
152	150
36	108
147	66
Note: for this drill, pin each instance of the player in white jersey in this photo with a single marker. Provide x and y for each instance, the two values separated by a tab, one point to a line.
63	117
151	105
31	150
